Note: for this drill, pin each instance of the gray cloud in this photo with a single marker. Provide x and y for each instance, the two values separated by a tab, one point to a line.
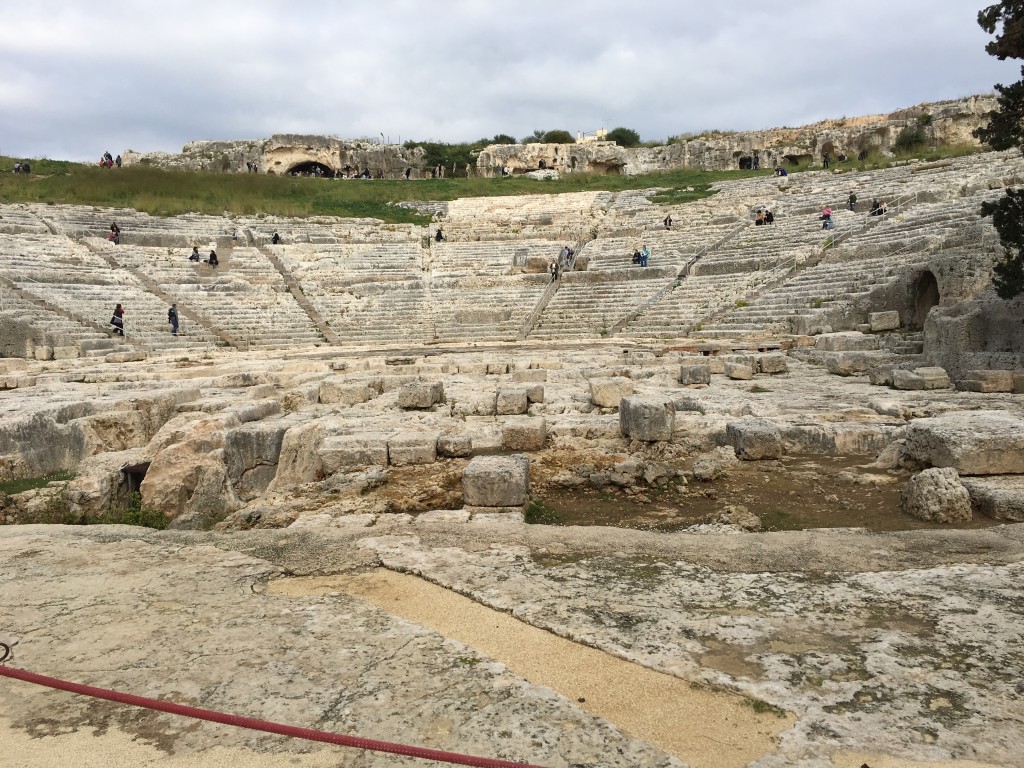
75	81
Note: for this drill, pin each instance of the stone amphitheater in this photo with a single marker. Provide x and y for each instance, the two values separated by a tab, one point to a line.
359	434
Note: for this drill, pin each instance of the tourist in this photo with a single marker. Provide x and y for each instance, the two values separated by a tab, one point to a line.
408	173
826	217
234	237
824	160
17	167
117	161
553	269
853	201
636	257
439	235
26	168
757	161
759	221
115	234
172	318
212	260
117	320
780	171
276	239
667	221
194	256
769	217
645	255
877	208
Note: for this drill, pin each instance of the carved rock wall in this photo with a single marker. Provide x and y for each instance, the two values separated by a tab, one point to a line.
947	122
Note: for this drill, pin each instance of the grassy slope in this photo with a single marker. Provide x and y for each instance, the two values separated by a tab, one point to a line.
167	193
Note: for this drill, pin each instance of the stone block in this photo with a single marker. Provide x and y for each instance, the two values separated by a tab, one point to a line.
511	402
535	393
524	434
715	364
65	353
337	390
971	442
134	356
934	377
607	392
497	369
1018	382
43	353
987	381
454	446
473	369
881	375
694	374
251	453
739	371
343	452
884	321
647	418
852	363
937	495
773	363
421	394
845	341
754	439
530	375
1001	498
397	381
496	481
408	448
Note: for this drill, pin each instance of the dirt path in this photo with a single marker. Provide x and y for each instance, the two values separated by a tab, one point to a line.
706	729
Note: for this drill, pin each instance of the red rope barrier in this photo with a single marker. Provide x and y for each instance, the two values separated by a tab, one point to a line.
260	725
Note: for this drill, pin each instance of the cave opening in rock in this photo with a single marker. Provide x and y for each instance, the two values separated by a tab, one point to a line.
926	296
312	168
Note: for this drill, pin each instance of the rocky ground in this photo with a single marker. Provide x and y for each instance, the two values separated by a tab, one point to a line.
751	549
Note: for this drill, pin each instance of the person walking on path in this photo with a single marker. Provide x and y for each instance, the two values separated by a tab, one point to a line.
117	320
668	221
645	255
853	201
172	318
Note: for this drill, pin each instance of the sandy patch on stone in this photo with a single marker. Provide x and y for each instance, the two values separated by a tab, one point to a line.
859	759
705	728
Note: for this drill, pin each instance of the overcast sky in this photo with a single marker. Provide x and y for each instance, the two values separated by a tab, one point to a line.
77	79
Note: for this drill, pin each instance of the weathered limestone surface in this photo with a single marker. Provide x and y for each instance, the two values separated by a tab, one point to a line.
845	341
524	434
755	439
511	402
496	481
608	391
694	374
345	452
412	448
739	371
884	321
647	418
936	494
920	378
988	381
1001	498
219	600
421	394
972	443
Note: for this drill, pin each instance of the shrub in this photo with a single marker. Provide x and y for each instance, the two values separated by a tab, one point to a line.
910	138
624	137
558	137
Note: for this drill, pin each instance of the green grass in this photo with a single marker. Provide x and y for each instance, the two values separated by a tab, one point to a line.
167	193
11	487
539	513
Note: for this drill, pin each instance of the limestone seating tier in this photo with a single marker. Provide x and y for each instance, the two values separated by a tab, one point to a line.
322	230
477	309
326	263
137	228
807	293
668	247
556	217
490	257
694	299
373	312
16	220
589	309
51	328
